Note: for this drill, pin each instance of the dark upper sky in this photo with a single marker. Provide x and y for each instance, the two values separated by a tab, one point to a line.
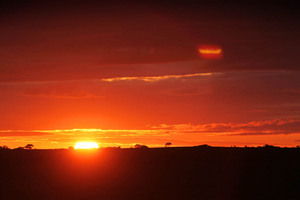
46	40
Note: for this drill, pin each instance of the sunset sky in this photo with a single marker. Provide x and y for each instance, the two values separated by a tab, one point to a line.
126	73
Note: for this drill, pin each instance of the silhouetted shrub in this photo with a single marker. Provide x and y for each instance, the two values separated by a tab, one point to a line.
4	147
140	146
203	146
117	147
19	148
71	148
29	146
270	146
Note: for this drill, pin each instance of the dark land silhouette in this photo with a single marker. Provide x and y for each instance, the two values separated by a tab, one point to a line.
208	173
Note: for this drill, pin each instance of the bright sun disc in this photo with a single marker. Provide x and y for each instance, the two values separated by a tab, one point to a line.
86	145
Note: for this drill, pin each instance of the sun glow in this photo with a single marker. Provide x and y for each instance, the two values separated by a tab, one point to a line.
86	145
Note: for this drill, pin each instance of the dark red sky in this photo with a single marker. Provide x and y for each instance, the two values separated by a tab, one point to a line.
62	63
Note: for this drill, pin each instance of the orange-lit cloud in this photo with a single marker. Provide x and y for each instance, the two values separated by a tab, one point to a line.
249	133
156	78
268	127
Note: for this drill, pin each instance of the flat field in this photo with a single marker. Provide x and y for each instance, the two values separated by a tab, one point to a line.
208	173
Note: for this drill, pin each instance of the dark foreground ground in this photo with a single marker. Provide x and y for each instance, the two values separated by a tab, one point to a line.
172	173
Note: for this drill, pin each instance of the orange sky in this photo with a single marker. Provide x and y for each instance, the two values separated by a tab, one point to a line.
124	74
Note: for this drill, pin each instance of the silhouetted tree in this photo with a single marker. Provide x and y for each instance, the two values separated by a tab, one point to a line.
4	147
29	146
168	144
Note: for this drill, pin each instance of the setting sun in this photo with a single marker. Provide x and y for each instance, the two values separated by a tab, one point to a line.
86	145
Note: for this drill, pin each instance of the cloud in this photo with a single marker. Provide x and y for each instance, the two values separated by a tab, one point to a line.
186	133
56	95
219	97
268	127
156	78
22	133
61	89
281	132
100	88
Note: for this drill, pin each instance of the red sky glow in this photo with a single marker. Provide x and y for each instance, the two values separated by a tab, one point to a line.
184	73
